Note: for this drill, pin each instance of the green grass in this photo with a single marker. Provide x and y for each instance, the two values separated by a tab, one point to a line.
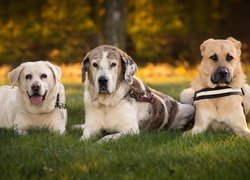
149	155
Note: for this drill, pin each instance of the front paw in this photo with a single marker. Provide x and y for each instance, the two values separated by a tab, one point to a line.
79	126
105	139
190	133
84	138
21	132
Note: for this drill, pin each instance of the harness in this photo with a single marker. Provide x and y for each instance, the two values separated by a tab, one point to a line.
59	104
218	92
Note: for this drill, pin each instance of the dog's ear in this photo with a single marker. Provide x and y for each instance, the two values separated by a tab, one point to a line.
129	66
14	75
85	66
57	71
204	45
236	43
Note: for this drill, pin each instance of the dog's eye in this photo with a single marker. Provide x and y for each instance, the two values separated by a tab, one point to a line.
214	57
43	76
113	65
28	76
229	57
95	65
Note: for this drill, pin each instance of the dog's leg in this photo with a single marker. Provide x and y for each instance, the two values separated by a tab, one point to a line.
59	129
118	135
246	99
88	132
20	125
237	122
111	137
202	121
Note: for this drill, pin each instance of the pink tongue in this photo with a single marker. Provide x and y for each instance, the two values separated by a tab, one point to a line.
36	99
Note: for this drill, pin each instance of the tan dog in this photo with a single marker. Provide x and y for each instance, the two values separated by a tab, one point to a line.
218	86
117	101
37	101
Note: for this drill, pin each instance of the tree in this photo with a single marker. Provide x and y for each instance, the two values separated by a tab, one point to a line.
115	23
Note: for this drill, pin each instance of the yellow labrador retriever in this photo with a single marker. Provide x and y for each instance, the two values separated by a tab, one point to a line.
116	101
219	92
37	101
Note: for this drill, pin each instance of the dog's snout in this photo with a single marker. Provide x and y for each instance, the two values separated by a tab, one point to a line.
221	75
35	86
223	72
103	80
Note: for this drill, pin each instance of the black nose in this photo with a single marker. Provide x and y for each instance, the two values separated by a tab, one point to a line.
35	86
223	72
103	80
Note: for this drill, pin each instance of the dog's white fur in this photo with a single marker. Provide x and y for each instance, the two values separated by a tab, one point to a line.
225	111
16	109
115	110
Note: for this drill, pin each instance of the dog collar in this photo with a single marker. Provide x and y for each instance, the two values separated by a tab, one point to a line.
59	104
145	96
141	97
217	92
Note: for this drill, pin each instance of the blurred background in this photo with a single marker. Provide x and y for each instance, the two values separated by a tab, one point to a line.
151	31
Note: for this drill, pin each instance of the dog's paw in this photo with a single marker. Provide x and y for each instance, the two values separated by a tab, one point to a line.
21	132
193	132
105	139
79	126
83	138
189	133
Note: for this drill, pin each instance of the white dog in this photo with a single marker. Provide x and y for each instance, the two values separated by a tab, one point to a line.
37	101
117	101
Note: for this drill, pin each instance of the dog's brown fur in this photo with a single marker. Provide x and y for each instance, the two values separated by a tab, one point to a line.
225	111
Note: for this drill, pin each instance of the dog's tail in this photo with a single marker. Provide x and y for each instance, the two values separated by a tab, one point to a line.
183	117
187	96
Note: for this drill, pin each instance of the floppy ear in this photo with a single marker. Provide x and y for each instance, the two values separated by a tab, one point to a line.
14	75
236	43
129	66
85	66
203	46
57	71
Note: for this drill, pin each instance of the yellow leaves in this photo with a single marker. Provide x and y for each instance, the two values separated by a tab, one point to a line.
10	24
54	53
177	24
163	73
4	70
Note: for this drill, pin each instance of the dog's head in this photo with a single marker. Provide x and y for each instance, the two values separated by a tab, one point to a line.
106	67
36	81
220	59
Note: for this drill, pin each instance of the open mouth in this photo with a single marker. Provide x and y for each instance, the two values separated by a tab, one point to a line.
37	99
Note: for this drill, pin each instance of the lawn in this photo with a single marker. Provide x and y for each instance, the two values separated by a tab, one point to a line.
149	155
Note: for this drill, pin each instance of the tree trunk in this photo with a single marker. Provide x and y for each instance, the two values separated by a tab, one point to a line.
115	23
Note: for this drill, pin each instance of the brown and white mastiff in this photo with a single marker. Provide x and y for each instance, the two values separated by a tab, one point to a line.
116	101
